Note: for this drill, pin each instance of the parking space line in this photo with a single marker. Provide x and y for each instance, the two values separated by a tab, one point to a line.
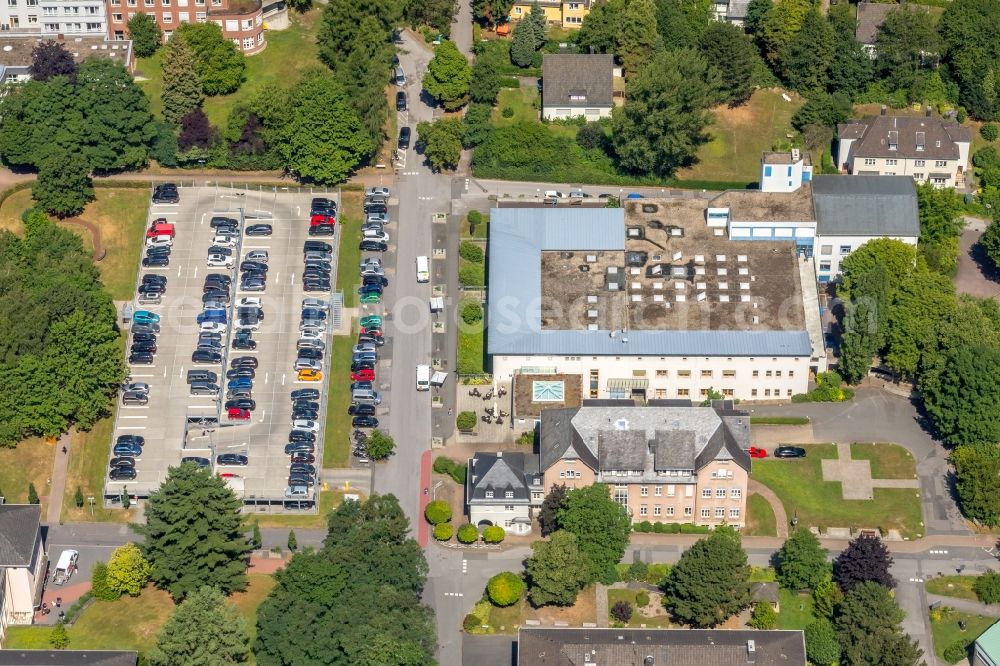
126	427
262	414
282	379
134	407
266	376
136	375
200	406
133	417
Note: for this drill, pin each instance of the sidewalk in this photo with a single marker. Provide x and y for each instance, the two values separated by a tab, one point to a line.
58	486
966	605
774	543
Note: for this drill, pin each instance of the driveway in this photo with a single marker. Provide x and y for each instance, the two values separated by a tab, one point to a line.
976	275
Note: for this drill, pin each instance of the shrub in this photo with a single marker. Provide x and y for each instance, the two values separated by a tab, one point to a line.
465	421
641	599
990	131
644	526
99	583
456	470
590	136
622	611
471	275
507	112
987	587
505	589
763	616
821	643
958	650
78	497
443	531
471	623
468	533
526	438
472	312
59	639
637	571
437	512
493	534
471	252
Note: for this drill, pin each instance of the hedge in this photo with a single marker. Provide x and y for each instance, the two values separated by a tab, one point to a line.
471	252
456	470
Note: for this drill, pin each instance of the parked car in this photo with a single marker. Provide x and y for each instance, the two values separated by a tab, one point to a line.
364	422
371	320
404	138
301	436
373	246
789	452
127	449
307	458
318	345
122	474
237	414
305	394
166	193
134	398
304	468
244	342
316	286
310	376
145	317
307	364
155	261
123	461
307	352
206	356
304	413
316	246
371	297
299	447
245	362
362	365
322	205
259	230
365	338
378	280
140	358
201	376
361	410
241	371
232	459
292	492
241	403
197	460
256	284
401	101
136	387
204	388
257	255
375	234
363	375
756	452
220	261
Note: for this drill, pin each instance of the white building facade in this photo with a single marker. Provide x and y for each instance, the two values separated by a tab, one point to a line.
68	17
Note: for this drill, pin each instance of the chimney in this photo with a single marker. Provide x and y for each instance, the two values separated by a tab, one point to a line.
751	651
882	110
648	661
499	454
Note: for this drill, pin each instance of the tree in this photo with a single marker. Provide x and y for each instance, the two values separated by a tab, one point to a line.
100	586
990	242
710	582
906	42
940	226
485	85
622	611
301	6
868	629
821	642
341	23
826	596
764	616
976	469
601	526
756	10
663	121
557	570
256	540
859	343
32	494
448	76
220	64
197	132
549	511
823	109
894	256
63	187
637	35
50	59
379	445
59	638
194	533
505	589
441	142
322	140
733	53
435	13
128	570
865	559
491	11
293	543
990	131
203	629
851	68
437	512
600	28
522	45
969	30
987	587
536	18
145	34
468	533
959	395
805	59
362	76
802	561
443	531
780	24
77	497
921	302
493	534
182	89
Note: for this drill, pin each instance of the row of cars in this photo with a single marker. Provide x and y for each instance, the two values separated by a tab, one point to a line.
142	350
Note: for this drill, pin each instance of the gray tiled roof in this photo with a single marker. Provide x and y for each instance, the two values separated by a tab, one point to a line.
566	74
501	472
67	658
874	136
18	533
667	647
559	439
621	449
871	15
866	206
674	449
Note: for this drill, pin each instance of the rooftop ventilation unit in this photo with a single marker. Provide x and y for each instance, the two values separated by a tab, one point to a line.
677	256
636	258
720	257
657	298
702	296
592	314
635	233
566	255
724	298
723	285
636	298
756	319
699	258
680	298
584	268
591	299
654	270
591	258
621	424
591	327
650	208
745	298
742	258
676	231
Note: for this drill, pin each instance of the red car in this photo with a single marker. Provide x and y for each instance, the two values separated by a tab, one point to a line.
377	332
237	414
319	219
755	452
363	375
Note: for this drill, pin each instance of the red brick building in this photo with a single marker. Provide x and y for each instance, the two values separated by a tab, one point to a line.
241	20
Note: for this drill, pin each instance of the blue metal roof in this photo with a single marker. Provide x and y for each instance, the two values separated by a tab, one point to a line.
518	236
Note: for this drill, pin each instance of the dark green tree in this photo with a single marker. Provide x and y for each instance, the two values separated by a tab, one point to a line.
637	35
485	85
256	540
50	59
756	10
301	6
99	584
557	570
477	124
865	559
970	32
990	242
601	526
448	76
664	118
823	109
441	142
341	22
802	561
505	589
380	445
821	642
826	596
293	543
868	629
906	42
194	533
32	494
893	257
435	13
940	226
39	118
145	34
77	497
859	343
851	68
63	187
203	629
362	75
59	638
182	90
522	47
600	27
779	26
921	302
536	18
733	53
805	59
674	26
976	469
489	12
549	513
220	64
764	616
710	583
987	587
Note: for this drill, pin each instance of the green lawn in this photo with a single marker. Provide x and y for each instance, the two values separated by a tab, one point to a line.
29	462
818	503
288	52
796	610
88	461
946	631
616	595
760	517
337	436
470	350
481	230
888	461
471	274
779	420
522	101
350	254
959	587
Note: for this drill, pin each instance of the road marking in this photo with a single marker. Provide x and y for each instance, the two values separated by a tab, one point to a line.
916	580
266	376
180	371
203	218
292	281
149	375
179	270
164	373
277	278
298	211
200	406
282	379
135	406
262	413
195	272
453	594
938	552
133	417
125	427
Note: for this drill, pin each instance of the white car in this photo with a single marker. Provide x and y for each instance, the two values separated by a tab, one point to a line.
317	303
242	325
312	325
304	424
378	218
213	327
220	261
225	240
554	194
311	333
377	192
375	235
159	241
250	302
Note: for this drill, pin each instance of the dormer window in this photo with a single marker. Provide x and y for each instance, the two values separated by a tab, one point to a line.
893	140
489	494
578	95
920	141
509	494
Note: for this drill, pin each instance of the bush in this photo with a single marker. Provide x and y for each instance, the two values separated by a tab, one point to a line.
622	611
526	438
471	252
763	616
468	533
99	583
637	571
821	643
987	587
507	112
990	131
641	599
493	534
472	312
471	275
505	589
465	421
471	623
958	650
437	512
644	526
443	531
456	470
590	136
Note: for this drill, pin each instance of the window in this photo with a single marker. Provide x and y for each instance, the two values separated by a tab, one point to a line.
117	18
661	373
643	510
683	373
869	161
671	490
199	17
12	3
184	17
683	393
232	26
845	249
728	373
706	373
768	373
508	507
753	393
687	511
777	373
791	373
52	27
824	266
826	249
919	163
670	511
736	493
574	19
562	475
509	494
728	393
704	393
658	490
32	18
656	509
734	513
517	10
788	392
247	24
767	172
706	513
489	494
756	373
941	163
93	27
644	491
706	493
720	493
720	512
890	162
918	176
168	17
536	496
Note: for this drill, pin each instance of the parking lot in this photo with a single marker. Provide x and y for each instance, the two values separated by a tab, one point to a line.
176	424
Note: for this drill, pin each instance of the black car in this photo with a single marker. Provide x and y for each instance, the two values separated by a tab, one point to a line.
242	371
301	479
218	249
150	289
222	222
206	356
206	335
302	468
322	230
361	410
299	447
140	358
316	246
319	265
241	403
312	275
143	346
313	287
123	461
144	337
305	394
376	340
789	452
379	280
305	404
158	250
166	194
155	262
149	278
259	230
122	474
404	138
244	362
216	286
215	295
245	343
373	246
197	460
322	206
362	365
131	440
212	345
311	353
250	311
307	458
231	459
253	266
218	277
401	101
301	436
308	414
364	422
202	376
376	207
253	284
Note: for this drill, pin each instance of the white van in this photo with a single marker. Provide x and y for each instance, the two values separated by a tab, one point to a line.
423	378
423	270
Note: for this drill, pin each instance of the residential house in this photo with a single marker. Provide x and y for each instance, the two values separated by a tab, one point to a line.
664	464
928	149
733	11
564	13
871	16
22	563
242	21
785	171
68	658
588	646
986	648
765	593
576	85
15	52
503	489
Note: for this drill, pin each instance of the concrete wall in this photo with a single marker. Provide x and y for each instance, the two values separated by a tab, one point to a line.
828	253
562	112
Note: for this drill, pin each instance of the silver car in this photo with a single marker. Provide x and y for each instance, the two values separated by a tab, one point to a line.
308	364
318	303
256	255
379	218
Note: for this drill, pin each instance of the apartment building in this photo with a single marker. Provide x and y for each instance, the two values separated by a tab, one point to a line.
565	13
241	20
16	50
503	489
68	17
662	462
925	148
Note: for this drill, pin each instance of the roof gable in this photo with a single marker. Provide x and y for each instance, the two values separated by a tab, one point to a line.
577	80
19	525
866	206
